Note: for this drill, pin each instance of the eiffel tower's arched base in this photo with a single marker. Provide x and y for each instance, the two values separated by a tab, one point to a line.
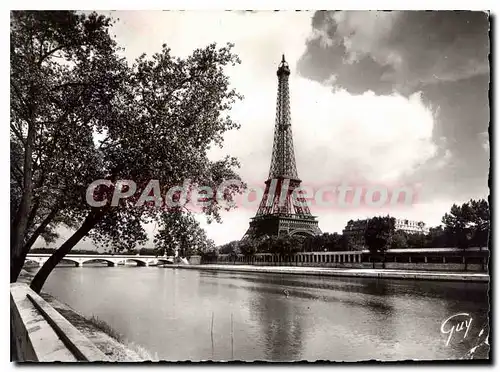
282	224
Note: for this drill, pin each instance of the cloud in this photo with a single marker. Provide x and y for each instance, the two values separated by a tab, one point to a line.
443	55
401	50
340	136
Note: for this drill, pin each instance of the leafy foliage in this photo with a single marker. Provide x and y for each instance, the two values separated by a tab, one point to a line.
436	238
417	240
331	242
400	239
180	230
284	245
81	113
63	69
247	247
379	232
228	248
468	224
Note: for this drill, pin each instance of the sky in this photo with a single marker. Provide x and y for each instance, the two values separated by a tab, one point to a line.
386	98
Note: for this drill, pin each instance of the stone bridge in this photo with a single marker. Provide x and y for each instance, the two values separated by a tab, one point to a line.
112	260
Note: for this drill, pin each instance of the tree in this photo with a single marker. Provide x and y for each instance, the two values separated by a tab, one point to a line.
208	245
333	242
468	225
233	256
378	235
436	238
400	239
289	245
164	116
229	247
168	251
480	222
284	246
457	225
63	69
417	240
148	252
351	243
179	229
248	248
308	244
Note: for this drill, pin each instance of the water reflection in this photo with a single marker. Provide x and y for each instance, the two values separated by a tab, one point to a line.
281	321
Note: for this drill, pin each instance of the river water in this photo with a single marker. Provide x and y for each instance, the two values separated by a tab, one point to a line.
204	315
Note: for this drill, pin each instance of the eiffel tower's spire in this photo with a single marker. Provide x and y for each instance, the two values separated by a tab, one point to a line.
283	157
283	68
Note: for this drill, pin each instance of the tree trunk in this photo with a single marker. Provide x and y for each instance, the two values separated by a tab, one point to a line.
16	265
20	222
32	214
42	275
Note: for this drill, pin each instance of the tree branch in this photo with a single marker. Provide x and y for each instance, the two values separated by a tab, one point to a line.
41	228
17	91
19	176
48	53
18	135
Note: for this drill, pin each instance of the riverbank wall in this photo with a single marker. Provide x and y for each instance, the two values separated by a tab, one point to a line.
44	329
354	273
40	333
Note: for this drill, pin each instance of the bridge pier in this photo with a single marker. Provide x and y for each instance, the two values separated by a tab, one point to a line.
78	264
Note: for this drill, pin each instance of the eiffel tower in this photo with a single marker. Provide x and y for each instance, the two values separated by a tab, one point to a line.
281	211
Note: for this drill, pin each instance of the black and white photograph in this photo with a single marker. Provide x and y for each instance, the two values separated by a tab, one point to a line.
250	186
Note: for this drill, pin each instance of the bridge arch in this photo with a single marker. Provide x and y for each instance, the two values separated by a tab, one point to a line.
69	259
165	260
138	261
94	259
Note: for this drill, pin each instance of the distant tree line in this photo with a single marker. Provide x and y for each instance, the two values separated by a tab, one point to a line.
465	226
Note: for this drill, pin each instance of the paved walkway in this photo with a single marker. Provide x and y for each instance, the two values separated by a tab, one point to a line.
346	272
